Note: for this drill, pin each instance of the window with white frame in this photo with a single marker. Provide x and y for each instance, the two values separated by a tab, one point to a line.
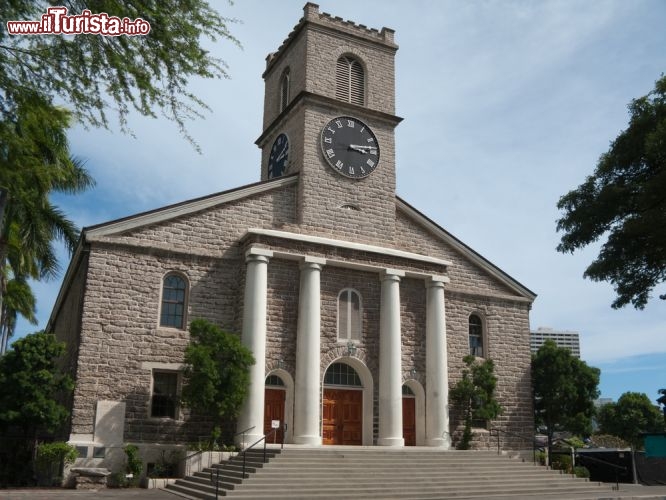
475	336
349	315
174	299
164	398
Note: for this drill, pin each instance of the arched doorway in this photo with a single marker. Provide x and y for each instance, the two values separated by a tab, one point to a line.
274	405
342	414
408	416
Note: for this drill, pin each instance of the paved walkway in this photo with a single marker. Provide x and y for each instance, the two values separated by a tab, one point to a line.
627	491
63	493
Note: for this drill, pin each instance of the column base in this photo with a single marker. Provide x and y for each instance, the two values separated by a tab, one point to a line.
439	442
308	440
391	442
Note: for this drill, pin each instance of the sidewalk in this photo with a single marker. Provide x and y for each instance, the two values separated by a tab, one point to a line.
64	493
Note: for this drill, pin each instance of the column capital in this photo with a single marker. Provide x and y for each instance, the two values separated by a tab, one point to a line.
391	275
436	281
258	254
309	262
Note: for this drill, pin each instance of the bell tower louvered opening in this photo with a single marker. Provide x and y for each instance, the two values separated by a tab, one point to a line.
350	81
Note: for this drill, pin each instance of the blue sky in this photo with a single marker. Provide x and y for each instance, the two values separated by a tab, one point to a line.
507	105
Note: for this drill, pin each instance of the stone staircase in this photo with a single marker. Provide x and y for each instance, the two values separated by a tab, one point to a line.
373	472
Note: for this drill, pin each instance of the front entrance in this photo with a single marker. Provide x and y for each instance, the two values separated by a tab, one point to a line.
343	416
274	408
409	419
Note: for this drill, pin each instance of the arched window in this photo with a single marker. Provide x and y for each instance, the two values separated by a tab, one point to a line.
174	292
342	374
349	315
284	89
475	336
350	81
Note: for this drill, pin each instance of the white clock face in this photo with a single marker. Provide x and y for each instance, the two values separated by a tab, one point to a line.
350	147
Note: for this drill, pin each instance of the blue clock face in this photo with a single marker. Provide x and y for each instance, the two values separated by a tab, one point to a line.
278	161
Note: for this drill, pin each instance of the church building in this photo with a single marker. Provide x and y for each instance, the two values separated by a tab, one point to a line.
357	307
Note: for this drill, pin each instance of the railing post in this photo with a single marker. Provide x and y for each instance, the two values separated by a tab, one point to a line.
498	441
264	451
217	482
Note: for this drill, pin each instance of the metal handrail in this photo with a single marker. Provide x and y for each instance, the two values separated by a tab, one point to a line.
614	466
188	457
263	438
522	436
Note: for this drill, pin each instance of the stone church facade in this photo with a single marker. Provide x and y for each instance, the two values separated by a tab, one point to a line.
357	307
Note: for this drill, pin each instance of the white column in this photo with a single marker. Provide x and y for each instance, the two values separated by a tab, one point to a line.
390	364
254	338
437	375
306	393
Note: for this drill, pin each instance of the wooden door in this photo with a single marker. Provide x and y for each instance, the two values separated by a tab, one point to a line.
342	417
274	410
409	421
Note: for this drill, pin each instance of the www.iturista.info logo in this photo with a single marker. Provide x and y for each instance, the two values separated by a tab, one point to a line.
57	22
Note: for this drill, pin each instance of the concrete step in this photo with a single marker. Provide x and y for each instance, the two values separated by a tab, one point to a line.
378	473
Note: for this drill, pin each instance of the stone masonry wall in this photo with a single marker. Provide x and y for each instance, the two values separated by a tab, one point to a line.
121	334
67	324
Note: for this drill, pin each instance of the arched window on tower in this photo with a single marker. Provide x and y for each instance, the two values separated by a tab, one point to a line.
174	299
284	89
475	336
350	81
349	315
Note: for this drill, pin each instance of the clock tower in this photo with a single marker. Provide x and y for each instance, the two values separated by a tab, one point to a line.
329	115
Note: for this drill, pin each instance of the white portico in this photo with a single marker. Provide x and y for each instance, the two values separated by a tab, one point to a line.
309	367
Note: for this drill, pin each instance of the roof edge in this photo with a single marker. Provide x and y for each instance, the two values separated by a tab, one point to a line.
475	257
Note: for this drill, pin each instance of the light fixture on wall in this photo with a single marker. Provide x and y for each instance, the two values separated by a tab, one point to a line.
280	363
351	349
413	372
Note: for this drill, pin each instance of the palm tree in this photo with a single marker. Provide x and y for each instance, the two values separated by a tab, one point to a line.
35	162
18	299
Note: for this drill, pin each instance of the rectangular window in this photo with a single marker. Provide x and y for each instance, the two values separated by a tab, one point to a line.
165	395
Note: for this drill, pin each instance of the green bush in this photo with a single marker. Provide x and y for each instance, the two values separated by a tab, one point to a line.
49	462
581	471
134	464
562	462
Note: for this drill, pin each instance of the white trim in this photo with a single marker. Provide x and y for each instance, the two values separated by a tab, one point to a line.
186	208
349	245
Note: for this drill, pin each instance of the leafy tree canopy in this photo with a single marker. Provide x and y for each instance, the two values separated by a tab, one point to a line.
564	390
633	414
30	382
94	73
625	198
217	375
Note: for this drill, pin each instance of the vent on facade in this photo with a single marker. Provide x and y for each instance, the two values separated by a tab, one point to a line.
350	81
284	90
349	206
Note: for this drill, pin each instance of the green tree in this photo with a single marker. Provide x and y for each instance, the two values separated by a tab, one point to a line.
217	372
624	199
30	383
93	74
474	394
564	391
633	414
18	299
662	401
35	162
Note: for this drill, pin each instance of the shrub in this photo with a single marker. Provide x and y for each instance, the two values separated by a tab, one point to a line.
134	464
50	459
